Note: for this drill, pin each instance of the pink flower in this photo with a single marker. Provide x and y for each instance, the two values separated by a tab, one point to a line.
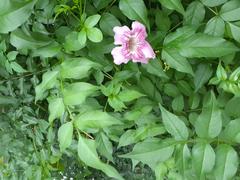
133	44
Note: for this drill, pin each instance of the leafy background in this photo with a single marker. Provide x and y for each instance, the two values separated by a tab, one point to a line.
68	111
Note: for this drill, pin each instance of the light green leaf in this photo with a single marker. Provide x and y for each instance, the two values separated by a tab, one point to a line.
231	132
77	68
72	43
95	119
230	11
17	67
82	37
195	14
178	103
94	35
49	80
152	152
215	27
234	30
14	13
135	10
108	22
196	46
91	21
65	134
132	136
209	122
76	93
226	162
176	61
212	3
12	55
128	95
56	108
174	125
47	51
183	157
88	154
104	146
203	159
202	75
173	5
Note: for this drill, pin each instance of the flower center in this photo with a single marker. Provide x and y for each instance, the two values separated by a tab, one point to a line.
132	44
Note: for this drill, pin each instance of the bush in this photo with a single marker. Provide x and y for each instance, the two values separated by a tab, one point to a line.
126	89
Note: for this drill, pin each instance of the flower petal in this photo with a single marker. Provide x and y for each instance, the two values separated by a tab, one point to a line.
121	34
148	51
144	60
139	30
118	56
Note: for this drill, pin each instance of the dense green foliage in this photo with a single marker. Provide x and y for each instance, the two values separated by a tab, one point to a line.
68	110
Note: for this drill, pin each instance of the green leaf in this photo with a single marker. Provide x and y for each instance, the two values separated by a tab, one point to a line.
91	21
203	159
230	11
215	27
132	136
176	61
88	154
12	55
174	125
221	72
232	131
195	14
82	37
202	75
178	103
173	5
77	68
104	146
49	80
76	93
128	95
108	22
234	30
94	35
72	43
47	51
21	40
17	67
183	157
95	119
154	67
212	3
14	13
162	21
209	122
152	152
196	46
135	10
56	108
226	162
65	134
231	107
7	100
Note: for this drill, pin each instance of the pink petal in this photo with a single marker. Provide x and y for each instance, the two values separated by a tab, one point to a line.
118	57
144	60
139	30
121	34
148	51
